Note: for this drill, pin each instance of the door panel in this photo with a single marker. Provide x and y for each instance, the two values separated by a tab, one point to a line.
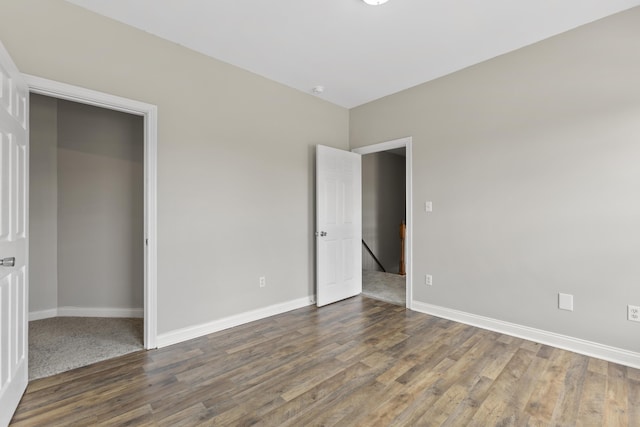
338	225
14	155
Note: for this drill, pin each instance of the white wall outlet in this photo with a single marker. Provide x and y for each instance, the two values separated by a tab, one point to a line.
428	279
428	206
565	302
263	281
633	313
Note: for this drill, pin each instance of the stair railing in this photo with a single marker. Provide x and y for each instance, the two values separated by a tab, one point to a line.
372	255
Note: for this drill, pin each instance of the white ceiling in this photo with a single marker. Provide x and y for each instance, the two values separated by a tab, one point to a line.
357	52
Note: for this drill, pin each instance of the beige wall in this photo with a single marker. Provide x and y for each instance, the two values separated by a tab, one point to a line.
383	205
531	161
100	207
235	156
43	204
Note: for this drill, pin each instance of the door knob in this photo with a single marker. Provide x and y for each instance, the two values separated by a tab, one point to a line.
323	233
8	262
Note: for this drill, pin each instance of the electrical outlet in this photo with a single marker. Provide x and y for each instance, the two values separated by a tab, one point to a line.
633	313
428	279
428	206
263	281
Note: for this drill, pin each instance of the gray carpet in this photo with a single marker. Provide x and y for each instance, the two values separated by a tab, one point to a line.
386	287
63	343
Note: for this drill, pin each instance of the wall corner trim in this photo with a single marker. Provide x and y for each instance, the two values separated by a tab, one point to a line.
577	345
196	331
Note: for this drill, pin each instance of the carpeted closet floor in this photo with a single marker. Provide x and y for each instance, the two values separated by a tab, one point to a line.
60	344
386	287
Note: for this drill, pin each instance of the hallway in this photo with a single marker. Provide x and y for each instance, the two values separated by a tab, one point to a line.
386	287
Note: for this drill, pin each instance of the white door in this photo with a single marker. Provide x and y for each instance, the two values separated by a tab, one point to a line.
338	225
14	155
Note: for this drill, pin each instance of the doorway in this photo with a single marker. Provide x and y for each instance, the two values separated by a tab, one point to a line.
86	235
146	238
380	281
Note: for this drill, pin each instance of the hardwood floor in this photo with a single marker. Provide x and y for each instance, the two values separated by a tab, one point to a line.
357	362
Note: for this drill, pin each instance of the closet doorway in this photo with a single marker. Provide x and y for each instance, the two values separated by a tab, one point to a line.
92	223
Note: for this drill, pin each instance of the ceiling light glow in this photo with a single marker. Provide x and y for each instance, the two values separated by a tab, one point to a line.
375	2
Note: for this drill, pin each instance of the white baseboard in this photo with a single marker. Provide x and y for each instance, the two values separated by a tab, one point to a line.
577	345
43	314
86	312
99	312
184	334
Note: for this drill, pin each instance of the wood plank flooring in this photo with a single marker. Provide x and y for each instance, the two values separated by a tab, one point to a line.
359	362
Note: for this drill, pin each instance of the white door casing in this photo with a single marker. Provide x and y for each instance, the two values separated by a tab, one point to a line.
82	95
338	225
14	187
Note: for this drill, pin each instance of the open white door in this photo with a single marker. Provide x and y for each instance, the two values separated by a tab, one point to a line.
14	155
338	225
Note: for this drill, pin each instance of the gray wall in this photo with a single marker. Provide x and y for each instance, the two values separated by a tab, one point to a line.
532	163
383	205
100	207
43	204
86	196
235	156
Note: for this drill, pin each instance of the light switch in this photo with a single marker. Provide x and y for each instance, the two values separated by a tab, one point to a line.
428	206
565	302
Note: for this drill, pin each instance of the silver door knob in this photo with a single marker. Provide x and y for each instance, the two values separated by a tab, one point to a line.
323	233
8	262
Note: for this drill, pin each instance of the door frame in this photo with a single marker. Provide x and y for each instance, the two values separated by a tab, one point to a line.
149	112
407	143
